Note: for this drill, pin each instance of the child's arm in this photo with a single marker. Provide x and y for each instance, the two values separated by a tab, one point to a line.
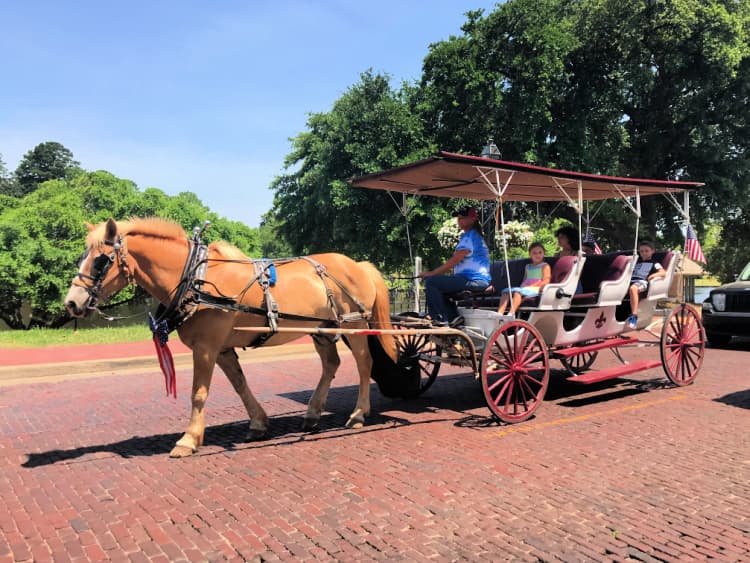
546	275
659	273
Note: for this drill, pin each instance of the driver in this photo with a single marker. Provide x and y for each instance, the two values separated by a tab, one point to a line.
471	270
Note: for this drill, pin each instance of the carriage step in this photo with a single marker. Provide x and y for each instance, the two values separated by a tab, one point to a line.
611	373
611	343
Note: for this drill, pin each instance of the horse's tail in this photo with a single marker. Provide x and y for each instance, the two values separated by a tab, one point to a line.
381	310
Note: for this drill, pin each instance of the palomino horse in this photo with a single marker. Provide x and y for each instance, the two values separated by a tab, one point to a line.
323	290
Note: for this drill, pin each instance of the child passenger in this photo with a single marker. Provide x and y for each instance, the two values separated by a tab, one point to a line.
646	269
536	276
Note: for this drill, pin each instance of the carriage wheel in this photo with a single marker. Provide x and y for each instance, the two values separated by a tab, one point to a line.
417	348
579	363
515	371
683	344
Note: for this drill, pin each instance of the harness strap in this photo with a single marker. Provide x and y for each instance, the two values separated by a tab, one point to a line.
363	313
191	293
185	301
264	280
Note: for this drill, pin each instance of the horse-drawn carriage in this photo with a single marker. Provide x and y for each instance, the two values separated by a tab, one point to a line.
218	300
511	353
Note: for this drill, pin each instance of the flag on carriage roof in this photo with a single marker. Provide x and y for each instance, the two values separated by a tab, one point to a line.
589	239
693	247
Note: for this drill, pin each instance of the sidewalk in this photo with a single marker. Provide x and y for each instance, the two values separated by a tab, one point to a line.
54	363
79	353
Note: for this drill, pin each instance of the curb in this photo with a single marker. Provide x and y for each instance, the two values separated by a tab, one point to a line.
36	373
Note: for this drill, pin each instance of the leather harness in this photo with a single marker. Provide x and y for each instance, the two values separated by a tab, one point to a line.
190	294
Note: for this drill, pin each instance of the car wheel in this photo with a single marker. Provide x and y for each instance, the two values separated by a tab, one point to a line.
717	340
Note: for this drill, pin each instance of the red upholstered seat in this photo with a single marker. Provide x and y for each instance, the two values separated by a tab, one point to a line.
600	269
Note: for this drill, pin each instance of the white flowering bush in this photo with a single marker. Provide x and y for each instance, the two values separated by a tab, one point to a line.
517	235
449	234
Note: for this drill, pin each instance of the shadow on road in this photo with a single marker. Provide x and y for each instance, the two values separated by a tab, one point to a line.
739	399
452	396
224	438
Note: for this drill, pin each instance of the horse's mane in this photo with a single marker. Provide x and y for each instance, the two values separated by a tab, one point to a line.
158	228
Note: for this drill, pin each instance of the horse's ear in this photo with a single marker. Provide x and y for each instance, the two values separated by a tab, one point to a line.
110	229
89	226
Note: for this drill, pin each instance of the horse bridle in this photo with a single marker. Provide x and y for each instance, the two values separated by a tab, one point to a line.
101	266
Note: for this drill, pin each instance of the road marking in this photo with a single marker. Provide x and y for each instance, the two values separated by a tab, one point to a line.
579	418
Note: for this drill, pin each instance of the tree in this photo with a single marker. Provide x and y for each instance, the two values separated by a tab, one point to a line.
46	161
369	128
7	185
270	243
42	236
627	88
650	89
727	259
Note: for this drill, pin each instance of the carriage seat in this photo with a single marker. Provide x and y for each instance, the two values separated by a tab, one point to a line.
556	295
605	280
659	288
563	278
490	297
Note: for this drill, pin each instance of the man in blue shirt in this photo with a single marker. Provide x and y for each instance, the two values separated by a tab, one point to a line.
471	269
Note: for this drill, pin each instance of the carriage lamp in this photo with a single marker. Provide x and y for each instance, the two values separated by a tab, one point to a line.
490	150
719	301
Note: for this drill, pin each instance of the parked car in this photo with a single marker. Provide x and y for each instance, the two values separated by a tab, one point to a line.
726	312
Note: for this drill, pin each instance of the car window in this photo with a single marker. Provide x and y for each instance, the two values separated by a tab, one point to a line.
745	275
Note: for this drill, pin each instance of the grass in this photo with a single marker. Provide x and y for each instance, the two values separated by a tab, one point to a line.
40	337
707	281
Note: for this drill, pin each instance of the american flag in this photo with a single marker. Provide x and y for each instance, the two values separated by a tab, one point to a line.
589	239
693	247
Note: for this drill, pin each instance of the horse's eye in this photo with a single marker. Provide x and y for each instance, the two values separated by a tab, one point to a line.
100	262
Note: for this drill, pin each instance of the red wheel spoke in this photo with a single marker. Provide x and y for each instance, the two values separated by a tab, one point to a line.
520	388
504	381
528	378
509	393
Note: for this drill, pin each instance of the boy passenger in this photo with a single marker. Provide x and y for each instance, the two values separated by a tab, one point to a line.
646	269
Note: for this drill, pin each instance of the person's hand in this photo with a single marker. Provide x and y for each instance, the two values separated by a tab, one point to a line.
425	274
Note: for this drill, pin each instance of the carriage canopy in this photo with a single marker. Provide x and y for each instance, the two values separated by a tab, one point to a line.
454	175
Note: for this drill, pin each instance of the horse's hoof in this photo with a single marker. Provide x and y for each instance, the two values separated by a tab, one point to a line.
357	419
181	451
310	424
355	422
255	434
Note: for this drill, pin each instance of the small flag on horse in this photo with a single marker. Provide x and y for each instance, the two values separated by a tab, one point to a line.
591	241
693	247
166	361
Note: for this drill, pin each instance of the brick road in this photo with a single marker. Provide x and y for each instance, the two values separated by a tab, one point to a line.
627	470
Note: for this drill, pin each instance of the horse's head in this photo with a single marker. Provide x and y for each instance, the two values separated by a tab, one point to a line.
102	271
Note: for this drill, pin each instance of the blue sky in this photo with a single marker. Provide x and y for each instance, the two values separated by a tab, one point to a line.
199	96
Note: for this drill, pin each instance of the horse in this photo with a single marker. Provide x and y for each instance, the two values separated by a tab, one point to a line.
207	292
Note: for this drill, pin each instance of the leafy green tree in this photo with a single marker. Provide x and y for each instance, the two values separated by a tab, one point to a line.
370	127
42	236
651	89
673	75
39	243
46	161
271	244
730	255
7	185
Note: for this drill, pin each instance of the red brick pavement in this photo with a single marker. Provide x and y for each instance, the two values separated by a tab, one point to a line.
625	470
